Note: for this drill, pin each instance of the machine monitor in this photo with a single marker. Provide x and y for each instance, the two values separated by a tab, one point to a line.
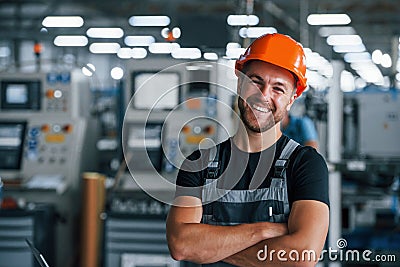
12	136
20	95
155	91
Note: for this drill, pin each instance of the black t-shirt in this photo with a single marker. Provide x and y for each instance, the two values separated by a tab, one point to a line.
307	173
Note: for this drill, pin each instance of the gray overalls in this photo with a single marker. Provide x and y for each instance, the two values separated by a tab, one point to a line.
267	204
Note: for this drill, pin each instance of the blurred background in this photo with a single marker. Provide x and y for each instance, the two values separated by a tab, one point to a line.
82	112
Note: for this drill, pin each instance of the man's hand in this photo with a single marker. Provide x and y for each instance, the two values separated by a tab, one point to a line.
308	227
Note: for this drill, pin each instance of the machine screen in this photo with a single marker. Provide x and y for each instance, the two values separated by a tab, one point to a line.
17	94
20	95
155	91
11	144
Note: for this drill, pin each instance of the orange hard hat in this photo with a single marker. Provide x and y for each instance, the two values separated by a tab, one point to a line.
280	50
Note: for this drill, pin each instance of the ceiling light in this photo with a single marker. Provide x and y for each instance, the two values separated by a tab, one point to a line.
186	53
386	61
124	52
210	56
105	32
255	32
117	73
326	31
234	53
176	32
347	81
138	53
377	56
63	21
343	39
144	40
242	20
71	40
357	57
328	19
104	48
88	69
349	48
163	48
233	45
149	20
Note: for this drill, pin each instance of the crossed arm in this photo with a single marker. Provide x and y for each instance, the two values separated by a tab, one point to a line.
190	240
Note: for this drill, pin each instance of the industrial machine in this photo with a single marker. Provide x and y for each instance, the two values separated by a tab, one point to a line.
47	139
173	108
370	169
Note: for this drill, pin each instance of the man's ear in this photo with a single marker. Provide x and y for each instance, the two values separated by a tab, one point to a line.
291	101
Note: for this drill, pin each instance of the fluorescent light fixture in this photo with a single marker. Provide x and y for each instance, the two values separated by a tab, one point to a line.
70	40
105	32
242	20
255	32
144	40
88	69
63	21
328	19
234	53
233	45
176	32
117	73
357	57
186	53
349	48
360	83
210	56
5	51
326	31
138	53
163	48
386	61
377	56
149	21
124	52
104	48
347	81
362	65
344	39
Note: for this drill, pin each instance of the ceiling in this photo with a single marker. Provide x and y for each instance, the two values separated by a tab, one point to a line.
377	22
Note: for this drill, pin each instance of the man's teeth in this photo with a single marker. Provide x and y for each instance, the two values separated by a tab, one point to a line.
265	110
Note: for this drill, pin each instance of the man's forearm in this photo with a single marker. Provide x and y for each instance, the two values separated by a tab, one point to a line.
204	243
280	251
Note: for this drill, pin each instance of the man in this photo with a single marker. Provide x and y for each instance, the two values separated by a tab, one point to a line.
257	193
300	129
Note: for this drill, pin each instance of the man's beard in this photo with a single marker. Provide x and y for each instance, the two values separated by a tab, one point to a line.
256	120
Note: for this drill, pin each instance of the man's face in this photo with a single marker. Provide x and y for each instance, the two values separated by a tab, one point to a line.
265	95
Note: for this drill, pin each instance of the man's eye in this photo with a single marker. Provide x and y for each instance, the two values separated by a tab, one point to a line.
279	89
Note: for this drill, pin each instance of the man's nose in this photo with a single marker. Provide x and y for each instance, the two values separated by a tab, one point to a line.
266	91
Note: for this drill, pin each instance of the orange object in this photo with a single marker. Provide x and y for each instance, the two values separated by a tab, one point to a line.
280	50
209	129
93	205
186	129
55	138
45	128
37	48
50	93
67	128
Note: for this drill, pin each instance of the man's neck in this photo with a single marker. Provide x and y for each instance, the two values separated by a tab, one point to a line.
249	141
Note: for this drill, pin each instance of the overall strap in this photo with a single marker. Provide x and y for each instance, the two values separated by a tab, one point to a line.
283	161
213	163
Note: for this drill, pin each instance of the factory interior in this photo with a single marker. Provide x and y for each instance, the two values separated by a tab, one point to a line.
101	101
